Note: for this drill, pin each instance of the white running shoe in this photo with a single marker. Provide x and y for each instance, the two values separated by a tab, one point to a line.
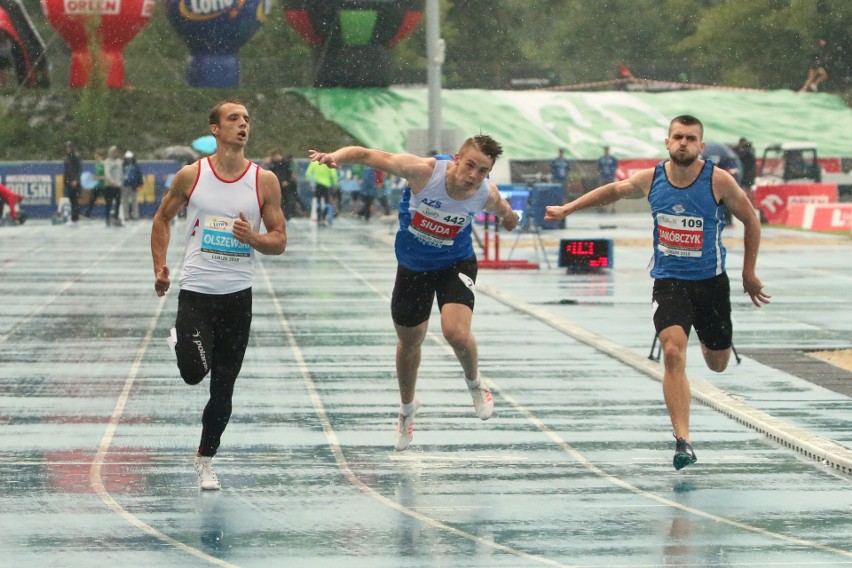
483	402
206	476
405	428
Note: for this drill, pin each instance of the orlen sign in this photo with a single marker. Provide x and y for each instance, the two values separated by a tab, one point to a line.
90	7
114	23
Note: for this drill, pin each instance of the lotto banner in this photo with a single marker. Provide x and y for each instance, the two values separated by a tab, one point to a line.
41	184
821	216
774	201
627	168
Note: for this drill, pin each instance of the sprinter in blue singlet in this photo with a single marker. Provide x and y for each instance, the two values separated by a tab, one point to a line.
691	287
436	257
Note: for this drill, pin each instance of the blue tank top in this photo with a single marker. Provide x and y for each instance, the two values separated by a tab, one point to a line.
434	229
688	225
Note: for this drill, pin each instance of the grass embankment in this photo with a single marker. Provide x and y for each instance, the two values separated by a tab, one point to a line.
34	125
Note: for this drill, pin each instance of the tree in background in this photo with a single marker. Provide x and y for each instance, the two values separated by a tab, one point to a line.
759	43
771	44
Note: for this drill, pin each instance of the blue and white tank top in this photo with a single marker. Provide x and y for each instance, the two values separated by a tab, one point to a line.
214	261
434	229
688	225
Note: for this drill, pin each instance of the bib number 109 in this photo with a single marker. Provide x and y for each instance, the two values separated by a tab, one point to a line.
691	222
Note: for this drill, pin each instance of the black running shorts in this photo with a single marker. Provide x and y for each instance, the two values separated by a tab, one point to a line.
414	292
702	304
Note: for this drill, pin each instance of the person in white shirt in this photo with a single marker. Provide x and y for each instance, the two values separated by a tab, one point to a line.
227	197
113	178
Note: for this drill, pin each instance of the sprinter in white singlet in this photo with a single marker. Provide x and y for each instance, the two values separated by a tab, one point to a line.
227	197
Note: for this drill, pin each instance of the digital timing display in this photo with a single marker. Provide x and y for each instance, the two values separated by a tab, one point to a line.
585	254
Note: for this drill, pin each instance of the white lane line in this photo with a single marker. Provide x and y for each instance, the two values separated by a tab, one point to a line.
95	478
337	451
119	245
425	457
653	369
820	449
622	354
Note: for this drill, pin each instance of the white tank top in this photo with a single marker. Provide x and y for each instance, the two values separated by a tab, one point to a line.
215	262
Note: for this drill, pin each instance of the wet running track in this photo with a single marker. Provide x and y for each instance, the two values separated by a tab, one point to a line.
574	469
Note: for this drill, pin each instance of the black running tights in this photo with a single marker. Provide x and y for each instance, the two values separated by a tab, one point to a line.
213	333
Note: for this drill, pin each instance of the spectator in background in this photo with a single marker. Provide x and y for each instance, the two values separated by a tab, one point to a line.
72	169
560	170
395	190
625	76
132	180
7	196
282	167
607	166
290	187
322	179
368	192
745	152
113	179
382	188
97	191
817	72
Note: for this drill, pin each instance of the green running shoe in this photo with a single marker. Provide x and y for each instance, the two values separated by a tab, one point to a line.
684	454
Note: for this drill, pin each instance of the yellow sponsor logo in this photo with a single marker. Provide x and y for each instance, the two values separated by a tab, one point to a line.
203	10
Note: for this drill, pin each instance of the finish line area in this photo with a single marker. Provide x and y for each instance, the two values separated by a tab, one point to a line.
573	469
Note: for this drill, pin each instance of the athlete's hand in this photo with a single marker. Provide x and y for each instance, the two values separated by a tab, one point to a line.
754	288
554	212
322	158
242	229
509	222
161	281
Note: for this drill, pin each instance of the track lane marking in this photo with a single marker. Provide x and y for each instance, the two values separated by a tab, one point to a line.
65	286
708	392
96	469
337	450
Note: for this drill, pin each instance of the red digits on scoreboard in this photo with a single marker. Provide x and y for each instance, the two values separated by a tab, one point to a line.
580	248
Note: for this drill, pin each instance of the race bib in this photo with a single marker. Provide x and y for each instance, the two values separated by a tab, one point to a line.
218	243
680	235
433	227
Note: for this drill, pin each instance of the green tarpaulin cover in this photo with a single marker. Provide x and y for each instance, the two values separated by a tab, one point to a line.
531	125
